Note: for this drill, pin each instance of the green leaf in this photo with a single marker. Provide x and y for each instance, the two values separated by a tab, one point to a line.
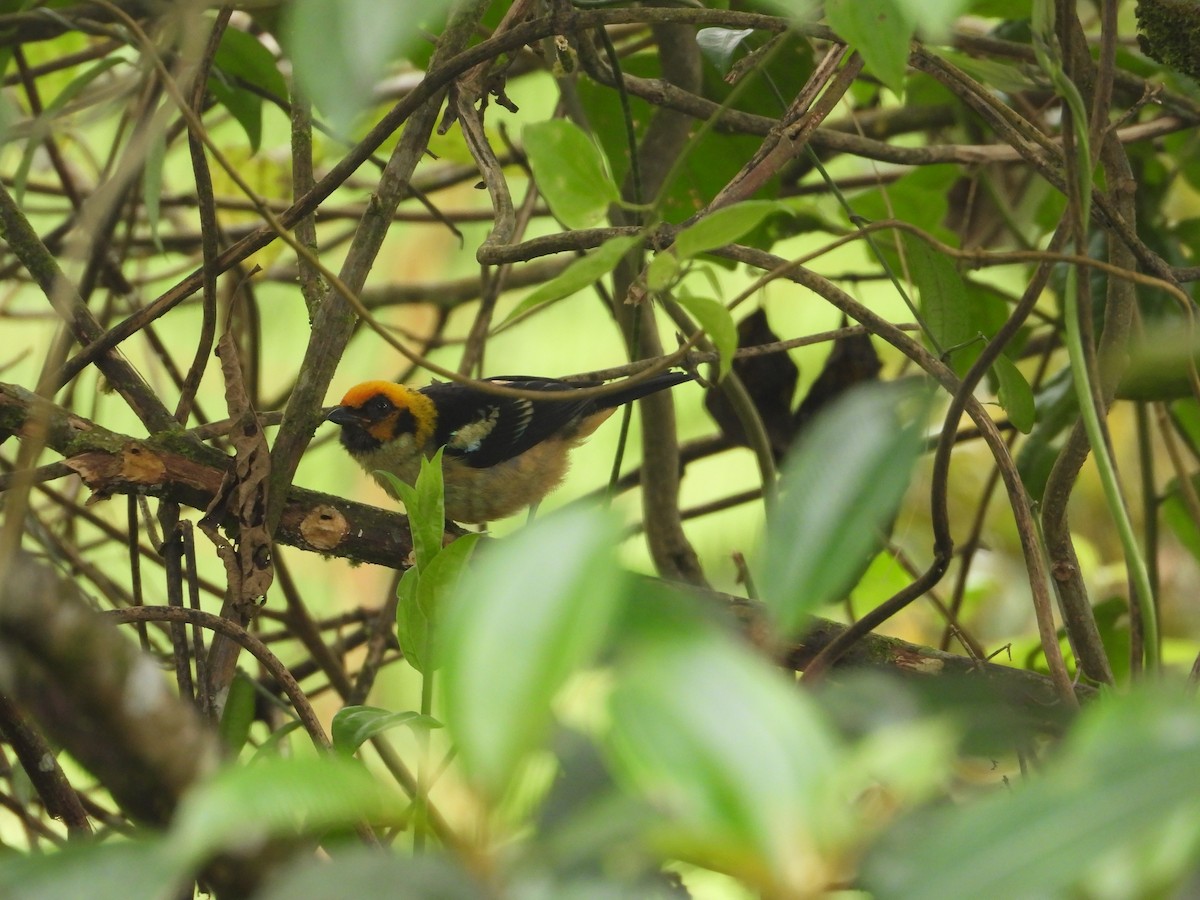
526	616
425	504
367	874
718	45
945	305
422	598
582	273
724	226
1014	394
277	797
662	270
340	49
241	60
238	715
880	31
738	759
933	18
115	870
841	486
1128	772
570	171
717	323
413	627
353	726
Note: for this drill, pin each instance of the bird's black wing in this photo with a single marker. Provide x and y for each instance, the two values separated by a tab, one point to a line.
483	429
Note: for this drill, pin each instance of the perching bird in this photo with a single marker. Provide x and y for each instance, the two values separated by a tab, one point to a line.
502	453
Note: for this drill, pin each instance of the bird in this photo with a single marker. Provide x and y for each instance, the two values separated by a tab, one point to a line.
502	454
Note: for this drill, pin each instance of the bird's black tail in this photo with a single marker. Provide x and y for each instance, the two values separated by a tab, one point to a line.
640	389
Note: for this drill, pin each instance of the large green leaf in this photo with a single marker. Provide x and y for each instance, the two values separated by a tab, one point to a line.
570	171
340	49
735	757
880	31
1128	777
527	615
841	486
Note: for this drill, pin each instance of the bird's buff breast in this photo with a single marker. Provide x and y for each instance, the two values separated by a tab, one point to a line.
480	495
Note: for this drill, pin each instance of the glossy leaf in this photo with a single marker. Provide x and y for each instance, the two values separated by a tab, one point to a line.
353	726
526	616
582	273
880	31
841	486
570	171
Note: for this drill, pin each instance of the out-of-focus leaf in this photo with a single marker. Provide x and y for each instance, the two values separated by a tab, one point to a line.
340	49
570	171
242	58
353	726
1131	764
736	758
580	274
880	31
45	122
840	488
131	870
525	617
717	323
277	797
367	874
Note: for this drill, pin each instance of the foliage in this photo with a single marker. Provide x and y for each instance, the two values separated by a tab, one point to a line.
993	202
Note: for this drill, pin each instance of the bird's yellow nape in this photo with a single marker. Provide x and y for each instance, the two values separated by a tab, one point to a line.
361	393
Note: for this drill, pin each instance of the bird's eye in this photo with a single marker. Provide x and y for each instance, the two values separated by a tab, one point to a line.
378	407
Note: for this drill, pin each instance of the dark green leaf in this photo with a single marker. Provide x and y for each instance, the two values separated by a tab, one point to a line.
238	715
841	486
570	171
353	726
1014	394
945	305
526	616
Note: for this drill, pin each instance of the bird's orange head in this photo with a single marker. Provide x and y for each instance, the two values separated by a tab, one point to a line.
376	412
